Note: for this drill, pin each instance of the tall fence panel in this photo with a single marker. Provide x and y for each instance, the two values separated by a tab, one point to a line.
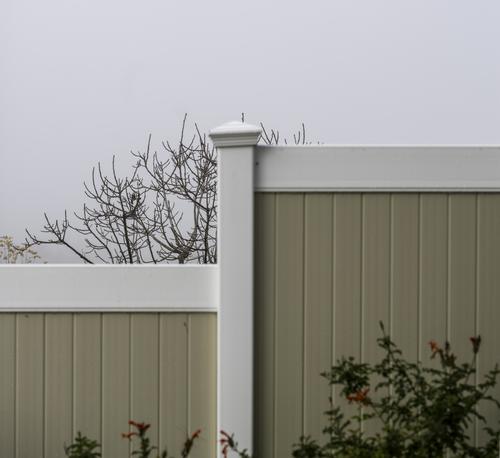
427	265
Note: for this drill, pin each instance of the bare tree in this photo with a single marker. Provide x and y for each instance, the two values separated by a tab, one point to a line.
137	219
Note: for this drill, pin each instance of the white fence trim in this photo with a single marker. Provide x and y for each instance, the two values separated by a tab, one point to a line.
319	168
112	288
236	143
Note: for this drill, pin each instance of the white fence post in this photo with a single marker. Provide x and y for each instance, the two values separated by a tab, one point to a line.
235	142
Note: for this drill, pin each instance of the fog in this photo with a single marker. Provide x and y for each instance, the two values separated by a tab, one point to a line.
83	80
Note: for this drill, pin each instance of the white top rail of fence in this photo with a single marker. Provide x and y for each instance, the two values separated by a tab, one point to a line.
317	168
108	288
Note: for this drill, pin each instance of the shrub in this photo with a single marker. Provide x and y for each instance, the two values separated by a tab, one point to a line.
420	411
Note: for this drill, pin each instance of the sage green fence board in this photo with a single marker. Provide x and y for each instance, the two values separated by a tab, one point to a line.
173	356
375	273
30	380
116	375
58	384
462	275
289	345
87	366
202	379
69	372
8	384
428	265
346	282
264	318
145	371
404	304
433	271
318	313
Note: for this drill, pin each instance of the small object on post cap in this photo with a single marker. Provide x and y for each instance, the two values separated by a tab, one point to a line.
235	133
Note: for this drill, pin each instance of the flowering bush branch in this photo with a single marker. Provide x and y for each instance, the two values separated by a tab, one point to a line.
420	412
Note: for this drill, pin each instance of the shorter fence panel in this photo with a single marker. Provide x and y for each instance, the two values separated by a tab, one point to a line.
92	372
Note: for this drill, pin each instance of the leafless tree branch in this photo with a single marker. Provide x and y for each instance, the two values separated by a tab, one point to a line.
134	219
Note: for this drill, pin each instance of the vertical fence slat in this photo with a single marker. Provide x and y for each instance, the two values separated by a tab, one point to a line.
376	278
87	375
144	371
404	271
462	276
433	270
173	381
30	384
58	383
203	388
347	281
462	258
317	308
264	323
489	295
289	314
376	269
347	275
7	384
115	383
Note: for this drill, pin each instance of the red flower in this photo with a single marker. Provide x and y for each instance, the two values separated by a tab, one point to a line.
434	346
360	396
139	426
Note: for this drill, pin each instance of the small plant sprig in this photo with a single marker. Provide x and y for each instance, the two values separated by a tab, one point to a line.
82	447
421	412
228	444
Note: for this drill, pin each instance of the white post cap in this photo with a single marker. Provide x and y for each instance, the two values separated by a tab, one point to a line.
235	133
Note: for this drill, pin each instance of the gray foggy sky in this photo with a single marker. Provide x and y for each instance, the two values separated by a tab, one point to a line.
82	80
